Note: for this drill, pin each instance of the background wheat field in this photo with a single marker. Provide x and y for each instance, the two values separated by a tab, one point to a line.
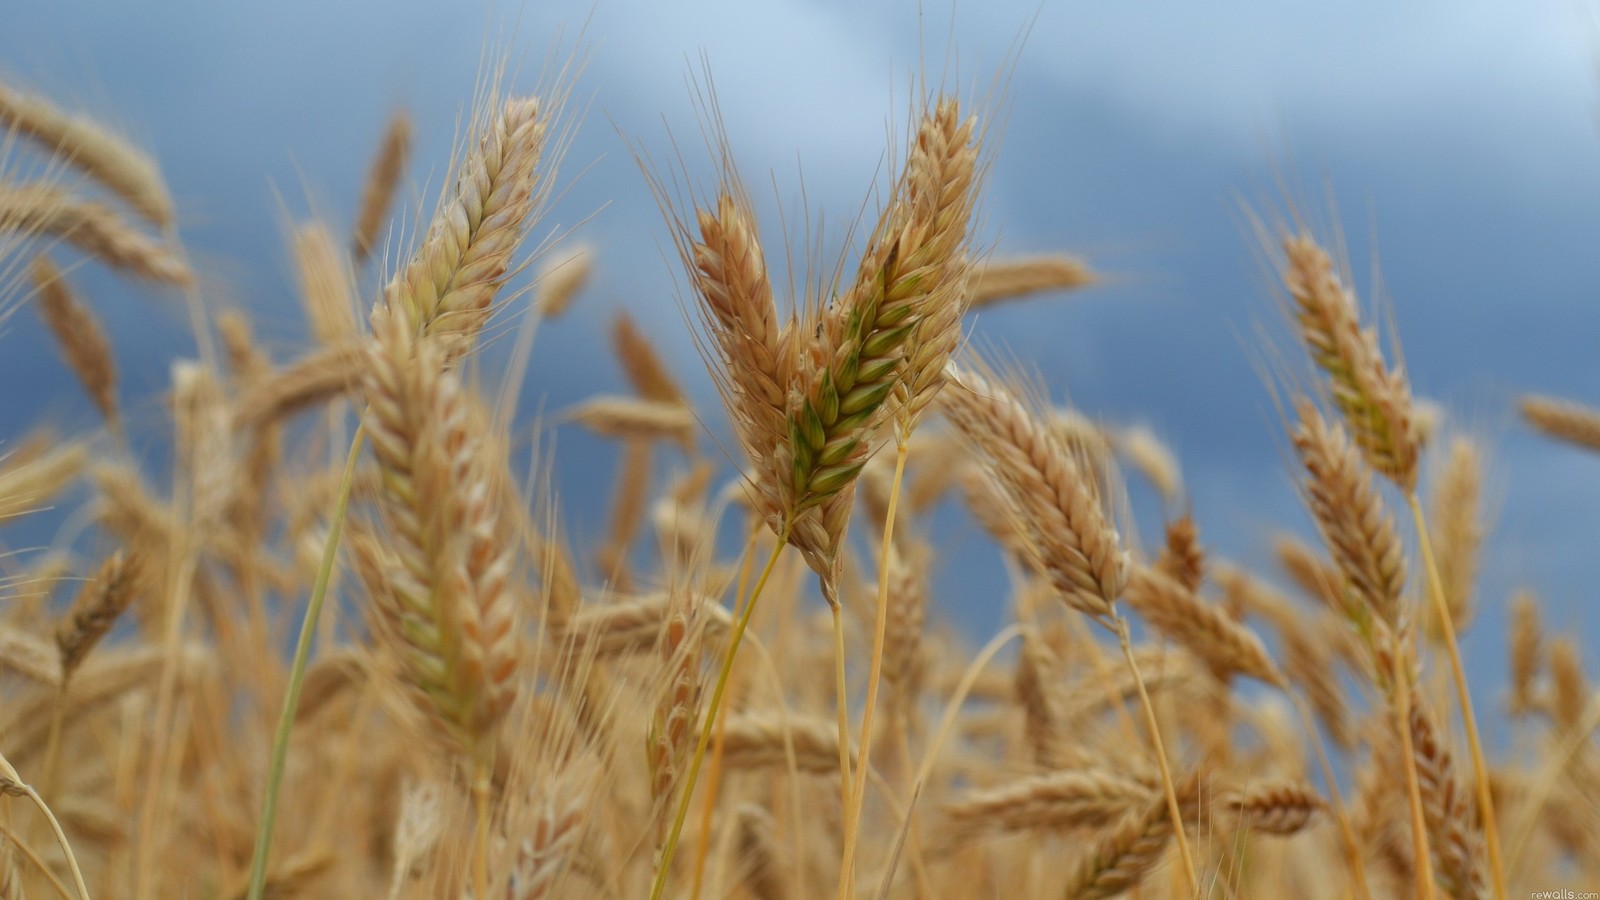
797	450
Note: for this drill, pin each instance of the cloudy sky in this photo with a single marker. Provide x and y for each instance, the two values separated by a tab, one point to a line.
1457	141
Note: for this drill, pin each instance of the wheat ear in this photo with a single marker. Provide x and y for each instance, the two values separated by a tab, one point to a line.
87	146
449	286
1566	420
1376	403
383	183
80	336
1067	536
94	228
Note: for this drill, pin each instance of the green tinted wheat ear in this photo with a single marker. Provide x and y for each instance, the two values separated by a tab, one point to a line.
941	192
445	606
449	286
1376	403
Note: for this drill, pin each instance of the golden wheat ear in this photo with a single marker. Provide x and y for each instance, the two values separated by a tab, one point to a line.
89	147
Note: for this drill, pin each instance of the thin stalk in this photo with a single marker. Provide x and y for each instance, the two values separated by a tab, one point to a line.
1352	849
1480	768
21	846
1419	825
852	821
841	704
297	673
1161	759
702	845
665	866
61	838
52	744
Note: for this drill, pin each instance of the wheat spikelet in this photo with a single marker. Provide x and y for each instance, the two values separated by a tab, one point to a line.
668	741
1311	572
628	626
1152	458
449	286
30	656
941	190
1526	637
1453	840
1569	688
633	419
1565	420
1282	807
1057	800
909	561
28	480
82	340
1067	536
998	279
317	377
760	851
1039	693
1182	558
562	279
755	740
1227	647
325	284
446	605
95	610
1458	528
642	364
548	835
1350	514
89	147
383	183
1375	401
1121	857
94	228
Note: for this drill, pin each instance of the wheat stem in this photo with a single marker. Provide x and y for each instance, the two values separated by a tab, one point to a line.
852	822
297	673
719	746
664	867
1480	768
61	838
1161	757
1352	849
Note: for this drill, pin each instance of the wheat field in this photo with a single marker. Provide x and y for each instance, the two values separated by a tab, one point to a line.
340	641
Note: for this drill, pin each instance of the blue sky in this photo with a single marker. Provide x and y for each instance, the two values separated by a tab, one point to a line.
1458	142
